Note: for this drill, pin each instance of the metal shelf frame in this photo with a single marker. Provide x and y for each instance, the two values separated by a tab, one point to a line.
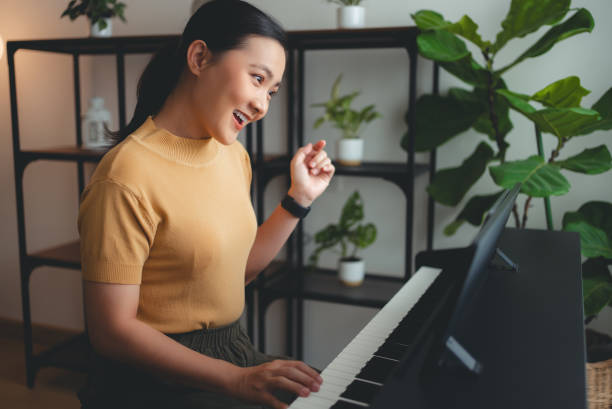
300	286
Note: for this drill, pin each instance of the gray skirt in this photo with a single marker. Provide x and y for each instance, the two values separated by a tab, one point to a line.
114	385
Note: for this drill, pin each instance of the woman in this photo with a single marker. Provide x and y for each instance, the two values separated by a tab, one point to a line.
168	234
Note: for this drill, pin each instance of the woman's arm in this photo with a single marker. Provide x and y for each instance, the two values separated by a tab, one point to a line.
115	332
311	172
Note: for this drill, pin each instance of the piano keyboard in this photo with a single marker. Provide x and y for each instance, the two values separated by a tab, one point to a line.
354	377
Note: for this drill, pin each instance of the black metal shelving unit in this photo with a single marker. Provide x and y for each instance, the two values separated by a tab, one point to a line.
279	280
288	280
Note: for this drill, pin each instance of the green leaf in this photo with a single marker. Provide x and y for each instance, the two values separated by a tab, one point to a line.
429	20
450	185
594	241
598	214
538	178
590	161
597	293
352	212
467	29
473	212
440	45
580	22
517	101
467	70
604	107
458	111
565	93
561	122
336	88
604	104
564	122
363	236
526	16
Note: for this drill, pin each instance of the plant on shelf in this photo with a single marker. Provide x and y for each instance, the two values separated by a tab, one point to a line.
485	107
99	13
339	112
347	232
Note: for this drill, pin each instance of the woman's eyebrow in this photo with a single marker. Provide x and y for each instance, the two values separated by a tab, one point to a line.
266	70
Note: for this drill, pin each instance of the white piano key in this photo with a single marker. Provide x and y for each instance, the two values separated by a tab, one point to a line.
342	371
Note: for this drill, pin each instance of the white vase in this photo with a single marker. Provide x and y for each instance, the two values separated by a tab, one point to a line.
95	122
106	32
351	17
351	272
350	151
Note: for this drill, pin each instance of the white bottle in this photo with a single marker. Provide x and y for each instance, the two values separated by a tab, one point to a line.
94	123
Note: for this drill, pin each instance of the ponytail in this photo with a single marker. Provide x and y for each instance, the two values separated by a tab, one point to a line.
157	81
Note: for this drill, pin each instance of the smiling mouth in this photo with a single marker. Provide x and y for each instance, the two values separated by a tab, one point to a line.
240	117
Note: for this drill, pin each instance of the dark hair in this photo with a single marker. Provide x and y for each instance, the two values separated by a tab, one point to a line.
223	25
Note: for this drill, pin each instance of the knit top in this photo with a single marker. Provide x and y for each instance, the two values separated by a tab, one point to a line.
173	215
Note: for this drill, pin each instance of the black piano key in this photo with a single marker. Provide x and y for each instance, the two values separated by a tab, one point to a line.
377	369
345	405
392	350
361	391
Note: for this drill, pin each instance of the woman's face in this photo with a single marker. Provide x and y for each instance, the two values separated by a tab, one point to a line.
236	88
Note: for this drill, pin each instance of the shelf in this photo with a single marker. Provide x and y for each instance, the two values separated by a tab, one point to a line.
280	164
62	153
93	45
324	285
73	354
66	255
384	37
310	39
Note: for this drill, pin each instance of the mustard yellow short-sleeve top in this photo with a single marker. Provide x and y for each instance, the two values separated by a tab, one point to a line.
173	215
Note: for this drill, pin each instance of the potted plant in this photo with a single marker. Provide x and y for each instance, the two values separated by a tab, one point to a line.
351	269
338	111
99	12
350	13
556	109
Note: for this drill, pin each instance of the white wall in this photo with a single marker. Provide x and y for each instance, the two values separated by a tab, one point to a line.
380	74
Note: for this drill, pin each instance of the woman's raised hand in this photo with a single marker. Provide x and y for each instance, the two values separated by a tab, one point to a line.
311	172
256	383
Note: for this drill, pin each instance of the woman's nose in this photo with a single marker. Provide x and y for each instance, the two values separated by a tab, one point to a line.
259	105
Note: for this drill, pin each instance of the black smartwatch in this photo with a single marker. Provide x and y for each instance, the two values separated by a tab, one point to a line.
289	204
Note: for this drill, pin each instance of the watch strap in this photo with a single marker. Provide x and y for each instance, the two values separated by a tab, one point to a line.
289	204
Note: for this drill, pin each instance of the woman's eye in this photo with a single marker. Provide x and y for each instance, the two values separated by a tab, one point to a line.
258	78
272	93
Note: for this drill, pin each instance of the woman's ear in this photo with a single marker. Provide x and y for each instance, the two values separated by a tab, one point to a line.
198	56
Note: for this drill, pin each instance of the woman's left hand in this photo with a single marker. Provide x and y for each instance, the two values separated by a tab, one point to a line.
311	171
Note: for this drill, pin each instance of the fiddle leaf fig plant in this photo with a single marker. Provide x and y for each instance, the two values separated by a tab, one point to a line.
485	102
556	109
346	233
95	10
338	111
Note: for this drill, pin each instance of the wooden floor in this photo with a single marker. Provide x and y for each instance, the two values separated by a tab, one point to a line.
54	388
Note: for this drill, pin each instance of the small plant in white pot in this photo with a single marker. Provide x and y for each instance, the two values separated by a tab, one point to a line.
350	13
351	268
99	13
349	121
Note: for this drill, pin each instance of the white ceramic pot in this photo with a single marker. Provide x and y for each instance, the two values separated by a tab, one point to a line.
106	32
351	272
351	17
350	151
